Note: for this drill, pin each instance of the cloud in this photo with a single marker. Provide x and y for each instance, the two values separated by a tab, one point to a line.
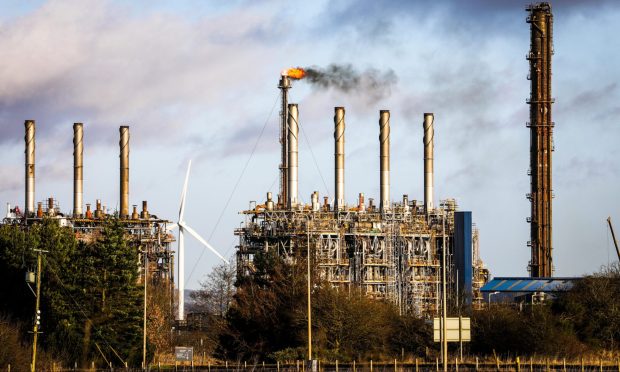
377	21
97	63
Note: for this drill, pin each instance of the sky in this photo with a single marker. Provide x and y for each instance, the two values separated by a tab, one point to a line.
198	80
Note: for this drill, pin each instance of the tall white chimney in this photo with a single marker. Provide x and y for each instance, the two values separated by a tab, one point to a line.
78	176
29	140
339	157
384	159
293	131
124	171
429	132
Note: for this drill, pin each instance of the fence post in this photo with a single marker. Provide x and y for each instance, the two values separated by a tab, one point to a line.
476	363
227	366
395	366
9	368
582	366
600	363
263	365
564	363
354	370
618	364
531	365
416	364
209	363
518	364
336	365
497	362
277	366
456	364
159	365
437	364
371	365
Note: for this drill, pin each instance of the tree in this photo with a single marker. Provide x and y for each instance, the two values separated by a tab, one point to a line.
592	308
91	302
216	292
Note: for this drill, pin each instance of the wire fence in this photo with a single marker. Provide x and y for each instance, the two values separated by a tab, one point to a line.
417	365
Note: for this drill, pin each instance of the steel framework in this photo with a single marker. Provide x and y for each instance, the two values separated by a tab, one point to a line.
541	138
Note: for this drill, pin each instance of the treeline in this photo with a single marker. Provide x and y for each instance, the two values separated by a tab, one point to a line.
584	320
91	310
267	320
91	302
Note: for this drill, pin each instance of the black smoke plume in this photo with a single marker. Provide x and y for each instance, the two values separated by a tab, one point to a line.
346	78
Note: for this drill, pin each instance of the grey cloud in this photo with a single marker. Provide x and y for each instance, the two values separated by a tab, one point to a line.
579	171
589	96
374	20
90	62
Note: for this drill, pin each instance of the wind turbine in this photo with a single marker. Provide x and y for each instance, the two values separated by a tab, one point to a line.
183	227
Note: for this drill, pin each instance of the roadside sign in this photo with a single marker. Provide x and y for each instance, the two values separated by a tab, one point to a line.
457	329
184	353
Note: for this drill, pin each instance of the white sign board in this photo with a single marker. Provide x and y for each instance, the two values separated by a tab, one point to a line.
457	329
183	353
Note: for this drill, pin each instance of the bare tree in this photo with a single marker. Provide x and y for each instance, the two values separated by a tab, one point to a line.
216	292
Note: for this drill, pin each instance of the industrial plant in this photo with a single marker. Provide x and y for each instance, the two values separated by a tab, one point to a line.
147	233
389	250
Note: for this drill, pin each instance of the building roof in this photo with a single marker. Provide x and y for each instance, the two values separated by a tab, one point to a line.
526	284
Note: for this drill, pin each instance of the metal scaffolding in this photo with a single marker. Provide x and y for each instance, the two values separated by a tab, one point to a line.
393	256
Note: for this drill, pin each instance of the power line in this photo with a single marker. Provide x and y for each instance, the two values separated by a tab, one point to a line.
232	193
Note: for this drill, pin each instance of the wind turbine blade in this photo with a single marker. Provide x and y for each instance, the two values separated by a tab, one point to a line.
184	193
200	239
171	226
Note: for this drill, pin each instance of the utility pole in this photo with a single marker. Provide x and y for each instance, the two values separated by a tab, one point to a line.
309	297
37	312
146	277
443	294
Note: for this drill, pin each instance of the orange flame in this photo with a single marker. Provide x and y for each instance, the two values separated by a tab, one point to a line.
294	73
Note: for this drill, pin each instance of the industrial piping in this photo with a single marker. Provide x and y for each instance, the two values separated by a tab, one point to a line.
429	133
384	159
124	171
339	157
30	144
284	85
78	177
293	131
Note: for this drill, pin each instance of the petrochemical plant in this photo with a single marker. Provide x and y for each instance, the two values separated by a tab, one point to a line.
148	234
390	250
